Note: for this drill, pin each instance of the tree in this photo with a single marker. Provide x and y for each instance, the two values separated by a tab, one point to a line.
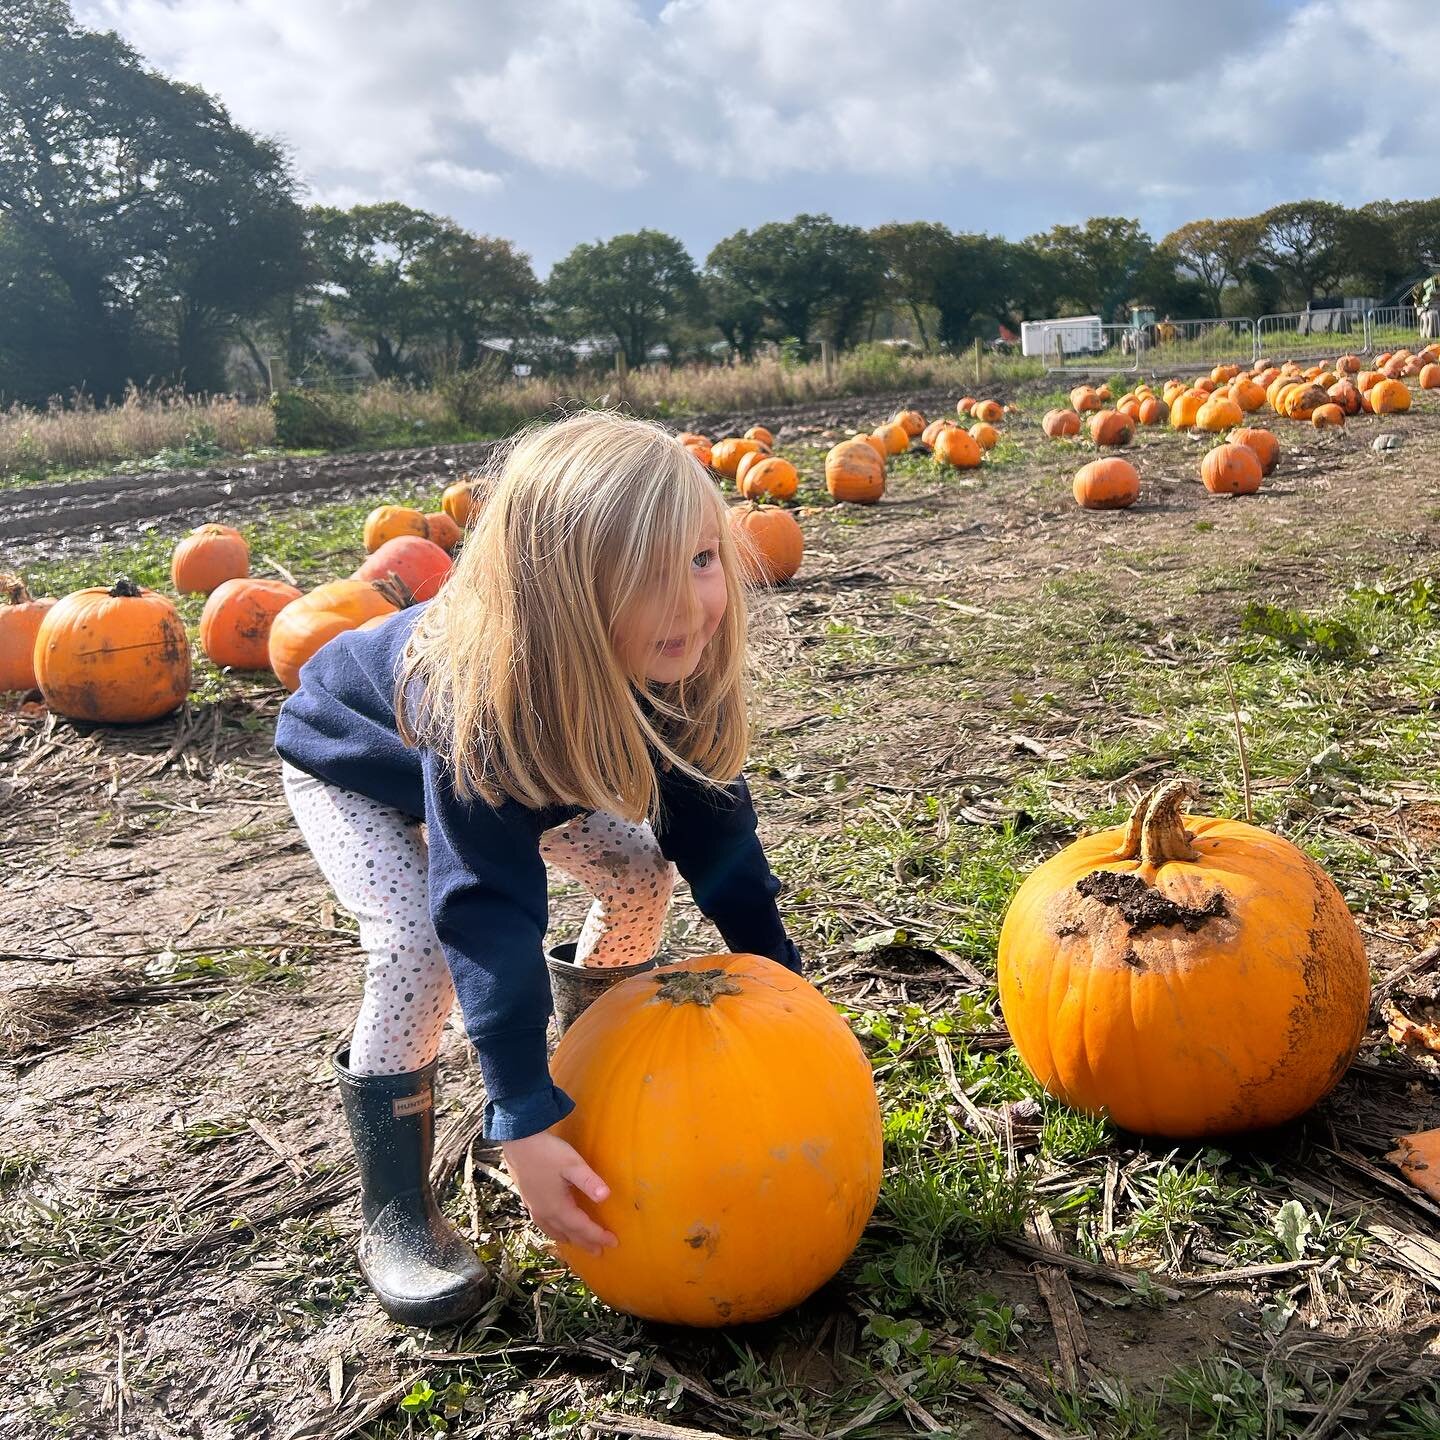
481	289
977	275
734	312
803	271
634	287
1215	252
1098	262
1307	241
368	258
913	254
107	168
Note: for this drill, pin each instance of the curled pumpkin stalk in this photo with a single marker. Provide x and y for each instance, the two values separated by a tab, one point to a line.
696	987
392	588
124	588
13	591
1155	833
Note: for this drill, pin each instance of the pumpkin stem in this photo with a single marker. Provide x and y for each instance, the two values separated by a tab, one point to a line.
395	590
125	588
13	591
696	987
1156	831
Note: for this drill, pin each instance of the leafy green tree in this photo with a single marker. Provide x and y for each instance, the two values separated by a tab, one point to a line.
373	282
1308	242
1215	252
478	288
914	253
122	180
734	312
1097	263
802	272
638	288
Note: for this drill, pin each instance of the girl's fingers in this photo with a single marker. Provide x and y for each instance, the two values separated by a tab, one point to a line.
586	1181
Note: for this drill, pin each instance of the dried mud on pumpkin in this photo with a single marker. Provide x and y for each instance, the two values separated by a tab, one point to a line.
177	1192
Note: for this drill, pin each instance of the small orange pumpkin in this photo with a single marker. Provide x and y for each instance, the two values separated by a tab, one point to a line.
441	530
20	617
1344	394
1231	470
208	556
770	476
959	448
1184	408
1327	417
386	522
855	472
990	411
895	438
459	502
1109	484
875	443
235	623
985	436
769	540
1263	443
1153	411
727	454
927	436
1061	424
965	404
1430	376
912	420
760	433
1110	427
305	625
420	565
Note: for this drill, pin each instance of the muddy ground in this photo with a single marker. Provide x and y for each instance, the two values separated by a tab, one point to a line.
173	972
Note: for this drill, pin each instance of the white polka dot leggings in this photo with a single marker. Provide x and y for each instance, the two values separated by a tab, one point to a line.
376	862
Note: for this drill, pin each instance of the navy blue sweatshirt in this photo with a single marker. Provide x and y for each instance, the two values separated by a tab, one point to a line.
487	886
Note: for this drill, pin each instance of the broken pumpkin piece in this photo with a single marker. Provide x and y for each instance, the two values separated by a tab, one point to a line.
1418	1159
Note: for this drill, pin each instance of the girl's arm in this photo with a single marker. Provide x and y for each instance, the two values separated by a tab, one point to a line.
710	835
489	904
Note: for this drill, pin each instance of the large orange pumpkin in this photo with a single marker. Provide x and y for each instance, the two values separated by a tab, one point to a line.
1184	408
316	618
769	475
855	472
208	556
1184	982
387	522
1390	397
1430	376
1060	424
419	565
235	623
770	542
1110	484
20	618
117	655
1263	443
1218	413
1231	470
958	448
738	1185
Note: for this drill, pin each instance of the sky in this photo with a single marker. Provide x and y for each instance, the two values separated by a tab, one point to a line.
556	122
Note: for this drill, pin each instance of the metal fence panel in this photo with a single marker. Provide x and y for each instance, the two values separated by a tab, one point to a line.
1314	334
1106	348
1200	344
1394	327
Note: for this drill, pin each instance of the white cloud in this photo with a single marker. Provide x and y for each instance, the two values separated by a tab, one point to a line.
1038	108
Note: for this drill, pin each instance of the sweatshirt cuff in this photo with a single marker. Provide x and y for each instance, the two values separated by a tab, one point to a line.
518	1116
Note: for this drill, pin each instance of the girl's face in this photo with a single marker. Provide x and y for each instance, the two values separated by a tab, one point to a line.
666	647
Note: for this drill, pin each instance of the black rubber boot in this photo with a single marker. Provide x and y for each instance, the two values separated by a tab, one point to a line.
421	1270
576	987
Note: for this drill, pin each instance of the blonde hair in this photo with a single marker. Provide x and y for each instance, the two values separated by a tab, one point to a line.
512	673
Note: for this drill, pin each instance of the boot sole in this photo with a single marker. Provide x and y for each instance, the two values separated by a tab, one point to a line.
428	1313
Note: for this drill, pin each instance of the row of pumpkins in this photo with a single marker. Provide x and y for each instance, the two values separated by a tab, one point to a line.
120	654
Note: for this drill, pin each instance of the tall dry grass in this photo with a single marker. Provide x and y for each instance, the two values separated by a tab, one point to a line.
170	424
81	435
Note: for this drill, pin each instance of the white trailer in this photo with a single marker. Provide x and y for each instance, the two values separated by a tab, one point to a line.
1072	335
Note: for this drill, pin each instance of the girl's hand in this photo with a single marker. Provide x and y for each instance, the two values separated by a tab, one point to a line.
544	1168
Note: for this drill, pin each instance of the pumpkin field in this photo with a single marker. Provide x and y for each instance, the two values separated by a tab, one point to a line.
985	628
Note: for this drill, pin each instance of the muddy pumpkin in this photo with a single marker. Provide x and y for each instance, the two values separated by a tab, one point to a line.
115	656
1263	443
235	623
855	472
1184	976
768	477
719	1222
1061	424
208	556
1109	484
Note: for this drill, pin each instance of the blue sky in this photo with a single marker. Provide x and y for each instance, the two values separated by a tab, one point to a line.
553	122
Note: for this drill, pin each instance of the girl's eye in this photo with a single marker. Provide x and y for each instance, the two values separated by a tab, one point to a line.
705	559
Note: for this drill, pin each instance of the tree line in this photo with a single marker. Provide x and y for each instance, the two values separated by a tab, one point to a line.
145	236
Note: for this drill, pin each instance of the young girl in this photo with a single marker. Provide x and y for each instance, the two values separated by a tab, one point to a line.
579	677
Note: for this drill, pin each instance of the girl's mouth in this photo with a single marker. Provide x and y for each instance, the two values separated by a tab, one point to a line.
673	647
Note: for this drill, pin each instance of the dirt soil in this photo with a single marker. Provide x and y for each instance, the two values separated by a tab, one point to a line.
173	972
